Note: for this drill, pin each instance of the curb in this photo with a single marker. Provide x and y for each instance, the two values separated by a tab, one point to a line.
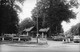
27	45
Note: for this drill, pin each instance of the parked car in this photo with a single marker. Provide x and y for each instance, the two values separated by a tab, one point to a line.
15	38
25	38
57	38
76	39
7	37
0	38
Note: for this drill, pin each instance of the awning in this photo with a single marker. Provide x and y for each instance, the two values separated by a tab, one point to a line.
44	30
28	29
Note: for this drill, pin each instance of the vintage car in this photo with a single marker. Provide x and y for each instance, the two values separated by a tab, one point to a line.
0	38
76	39
15	38
57	38
7	37
25	38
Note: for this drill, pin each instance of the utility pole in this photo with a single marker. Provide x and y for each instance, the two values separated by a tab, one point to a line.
37	26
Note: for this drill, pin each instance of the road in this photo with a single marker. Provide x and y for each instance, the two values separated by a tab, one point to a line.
53	46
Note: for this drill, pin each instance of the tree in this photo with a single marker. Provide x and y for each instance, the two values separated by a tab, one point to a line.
27	23
51	13
75	30
8	17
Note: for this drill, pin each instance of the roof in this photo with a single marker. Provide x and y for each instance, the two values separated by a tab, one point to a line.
44	29
28	29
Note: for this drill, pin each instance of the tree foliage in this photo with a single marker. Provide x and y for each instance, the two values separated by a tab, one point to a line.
27	23
51	13
8	17
75	30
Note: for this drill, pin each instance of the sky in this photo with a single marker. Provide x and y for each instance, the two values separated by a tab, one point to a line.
26	8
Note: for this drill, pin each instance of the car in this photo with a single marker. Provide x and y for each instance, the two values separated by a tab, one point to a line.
15	38
76	39
7	37
25	38
0	38
57	38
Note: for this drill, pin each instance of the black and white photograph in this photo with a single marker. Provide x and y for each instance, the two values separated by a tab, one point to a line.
39	25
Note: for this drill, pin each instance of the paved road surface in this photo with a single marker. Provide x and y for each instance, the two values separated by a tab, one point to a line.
52	47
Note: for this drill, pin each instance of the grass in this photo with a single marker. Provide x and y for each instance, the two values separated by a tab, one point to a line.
23	42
